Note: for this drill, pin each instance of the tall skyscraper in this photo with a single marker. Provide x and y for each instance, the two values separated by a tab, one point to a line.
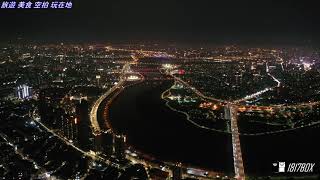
177	172
107	145
119	146
83	123
23	92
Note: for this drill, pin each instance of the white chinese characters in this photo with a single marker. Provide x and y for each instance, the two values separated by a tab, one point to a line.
36	5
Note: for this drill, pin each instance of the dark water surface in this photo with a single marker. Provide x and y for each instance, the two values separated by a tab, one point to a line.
151	127
298	146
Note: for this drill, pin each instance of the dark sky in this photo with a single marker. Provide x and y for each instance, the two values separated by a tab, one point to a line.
258	21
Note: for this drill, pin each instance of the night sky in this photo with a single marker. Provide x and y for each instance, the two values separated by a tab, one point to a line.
263	21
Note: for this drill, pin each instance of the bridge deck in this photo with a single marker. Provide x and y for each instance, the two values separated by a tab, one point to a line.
231	113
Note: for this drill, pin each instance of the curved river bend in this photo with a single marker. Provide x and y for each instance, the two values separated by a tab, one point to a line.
152	128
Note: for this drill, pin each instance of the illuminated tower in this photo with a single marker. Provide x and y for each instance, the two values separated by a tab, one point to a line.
23	92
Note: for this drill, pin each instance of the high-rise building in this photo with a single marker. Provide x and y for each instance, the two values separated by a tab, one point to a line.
107	144
98	77
119	146
83	123
177	172
98	142
23	92
74	130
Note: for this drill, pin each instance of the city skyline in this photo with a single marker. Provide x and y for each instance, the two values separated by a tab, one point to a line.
159	90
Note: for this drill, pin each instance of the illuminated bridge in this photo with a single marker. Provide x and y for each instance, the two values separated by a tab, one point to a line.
231	114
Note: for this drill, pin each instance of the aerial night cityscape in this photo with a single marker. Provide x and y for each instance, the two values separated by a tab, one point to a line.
159	90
